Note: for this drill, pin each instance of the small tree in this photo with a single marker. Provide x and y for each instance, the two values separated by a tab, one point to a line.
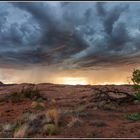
136	81
136	77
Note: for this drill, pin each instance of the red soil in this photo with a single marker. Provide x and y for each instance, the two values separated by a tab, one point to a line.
96	122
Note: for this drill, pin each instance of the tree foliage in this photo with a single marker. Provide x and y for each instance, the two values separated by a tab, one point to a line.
136	82
136	77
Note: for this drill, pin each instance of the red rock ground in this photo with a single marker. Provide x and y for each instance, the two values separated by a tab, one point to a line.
96	122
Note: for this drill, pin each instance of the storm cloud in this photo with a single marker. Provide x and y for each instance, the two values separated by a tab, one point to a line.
71	35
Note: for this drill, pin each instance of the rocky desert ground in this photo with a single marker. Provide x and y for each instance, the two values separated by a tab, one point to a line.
65	111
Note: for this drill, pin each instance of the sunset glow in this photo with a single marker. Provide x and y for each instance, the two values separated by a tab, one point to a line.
73	81
119	83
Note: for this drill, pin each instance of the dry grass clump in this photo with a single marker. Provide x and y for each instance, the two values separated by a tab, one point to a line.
31	93
53	116
6	130
75	121
26	117
32	124
50	129
21	131
51	122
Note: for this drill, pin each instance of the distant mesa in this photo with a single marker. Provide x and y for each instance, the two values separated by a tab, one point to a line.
1	83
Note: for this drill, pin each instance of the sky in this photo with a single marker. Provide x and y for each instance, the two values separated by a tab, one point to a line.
69	42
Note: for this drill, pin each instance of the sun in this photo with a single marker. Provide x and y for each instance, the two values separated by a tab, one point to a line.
74	81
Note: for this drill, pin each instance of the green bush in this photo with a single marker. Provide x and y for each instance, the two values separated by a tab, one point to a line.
13	97
39	107
136	77
136	83
136	87
137	96
133	116
51	129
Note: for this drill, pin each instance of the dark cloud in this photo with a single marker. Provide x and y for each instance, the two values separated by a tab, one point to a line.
101	9
117	35
115	45
2	19
120	36
111	16
52	36
90	35
88	14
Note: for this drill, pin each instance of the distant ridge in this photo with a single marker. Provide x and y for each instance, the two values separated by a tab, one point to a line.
2	84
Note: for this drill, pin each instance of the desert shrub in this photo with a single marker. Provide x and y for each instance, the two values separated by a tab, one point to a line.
7	127
39	107
136	87
27	117
137	95
133	116
50	129
6	130
13	97
39	99
30	93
